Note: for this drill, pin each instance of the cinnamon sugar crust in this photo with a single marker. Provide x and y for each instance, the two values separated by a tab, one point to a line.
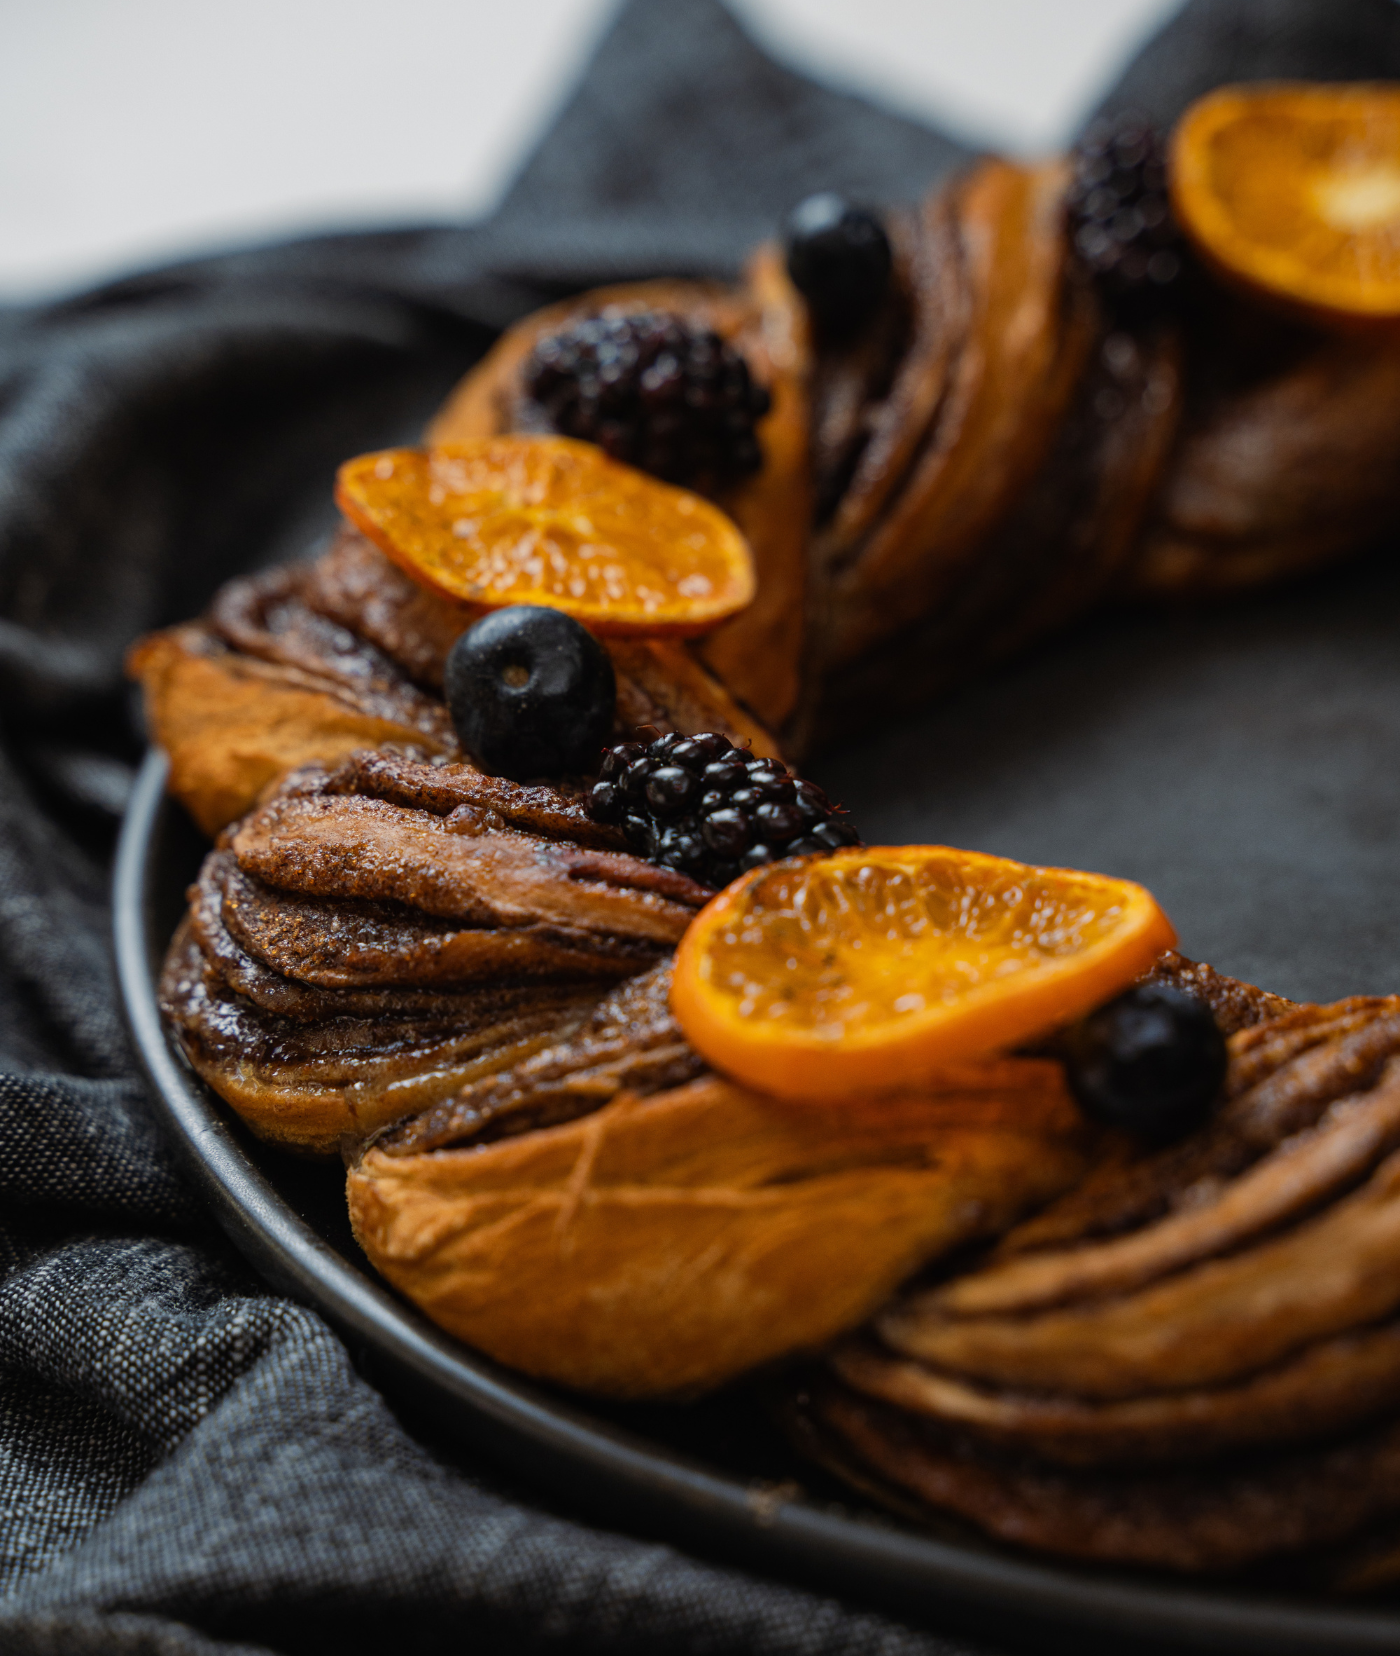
1191	1360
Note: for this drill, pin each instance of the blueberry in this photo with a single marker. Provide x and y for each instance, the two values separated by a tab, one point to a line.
756	856
1151	1061
840	261
531	693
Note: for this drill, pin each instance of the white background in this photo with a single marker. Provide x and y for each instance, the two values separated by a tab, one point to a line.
133	131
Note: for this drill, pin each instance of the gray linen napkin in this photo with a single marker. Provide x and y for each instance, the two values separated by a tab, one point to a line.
189	1463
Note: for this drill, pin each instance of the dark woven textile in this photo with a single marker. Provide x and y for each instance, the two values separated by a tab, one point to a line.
187	1462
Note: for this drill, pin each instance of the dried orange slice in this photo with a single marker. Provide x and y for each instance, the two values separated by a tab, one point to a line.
875	969
547	520
1294	189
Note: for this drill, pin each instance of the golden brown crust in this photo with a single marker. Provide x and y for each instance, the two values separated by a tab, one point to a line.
1029	336
1289	457
304	1083
1058	550
757	655
380	936
356	586
631	1043
1306	1170
854	378
233	726
315	962
356	847
661	1246
318	661
1213	1325
1283	1076
1074	530
1207	1325
1330	1386
897	422
1234	1005
1212	1520
343	945
461	791
661	684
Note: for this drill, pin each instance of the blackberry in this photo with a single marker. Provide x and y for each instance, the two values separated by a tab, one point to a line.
701	805
1120	217
651	390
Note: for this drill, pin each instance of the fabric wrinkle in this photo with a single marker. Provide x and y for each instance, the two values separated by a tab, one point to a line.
189	1463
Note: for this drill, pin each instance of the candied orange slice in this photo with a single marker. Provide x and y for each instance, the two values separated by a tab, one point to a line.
548	520
1294	189
878	968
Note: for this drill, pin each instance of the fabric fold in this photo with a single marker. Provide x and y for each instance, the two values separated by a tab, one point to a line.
189	1463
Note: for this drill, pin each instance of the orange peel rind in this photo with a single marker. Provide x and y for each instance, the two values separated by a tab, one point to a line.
549	520
1293	189
883	968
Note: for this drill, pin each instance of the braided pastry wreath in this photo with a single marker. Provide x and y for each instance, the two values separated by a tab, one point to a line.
972	421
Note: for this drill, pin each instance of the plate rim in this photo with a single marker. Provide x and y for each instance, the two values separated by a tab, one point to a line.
626	1477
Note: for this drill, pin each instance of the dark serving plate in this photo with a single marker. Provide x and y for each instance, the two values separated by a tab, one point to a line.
1242	764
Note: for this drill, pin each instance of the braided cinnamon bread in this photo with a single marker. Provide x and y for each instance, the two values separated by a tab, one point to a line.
1191	1360
1186	1359
997	449
378	935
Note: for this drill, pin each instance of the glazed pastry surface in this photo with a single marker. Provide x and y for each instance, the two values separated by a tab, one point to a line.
665	1243
997	451
379	935
1185	1359
1189	1361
